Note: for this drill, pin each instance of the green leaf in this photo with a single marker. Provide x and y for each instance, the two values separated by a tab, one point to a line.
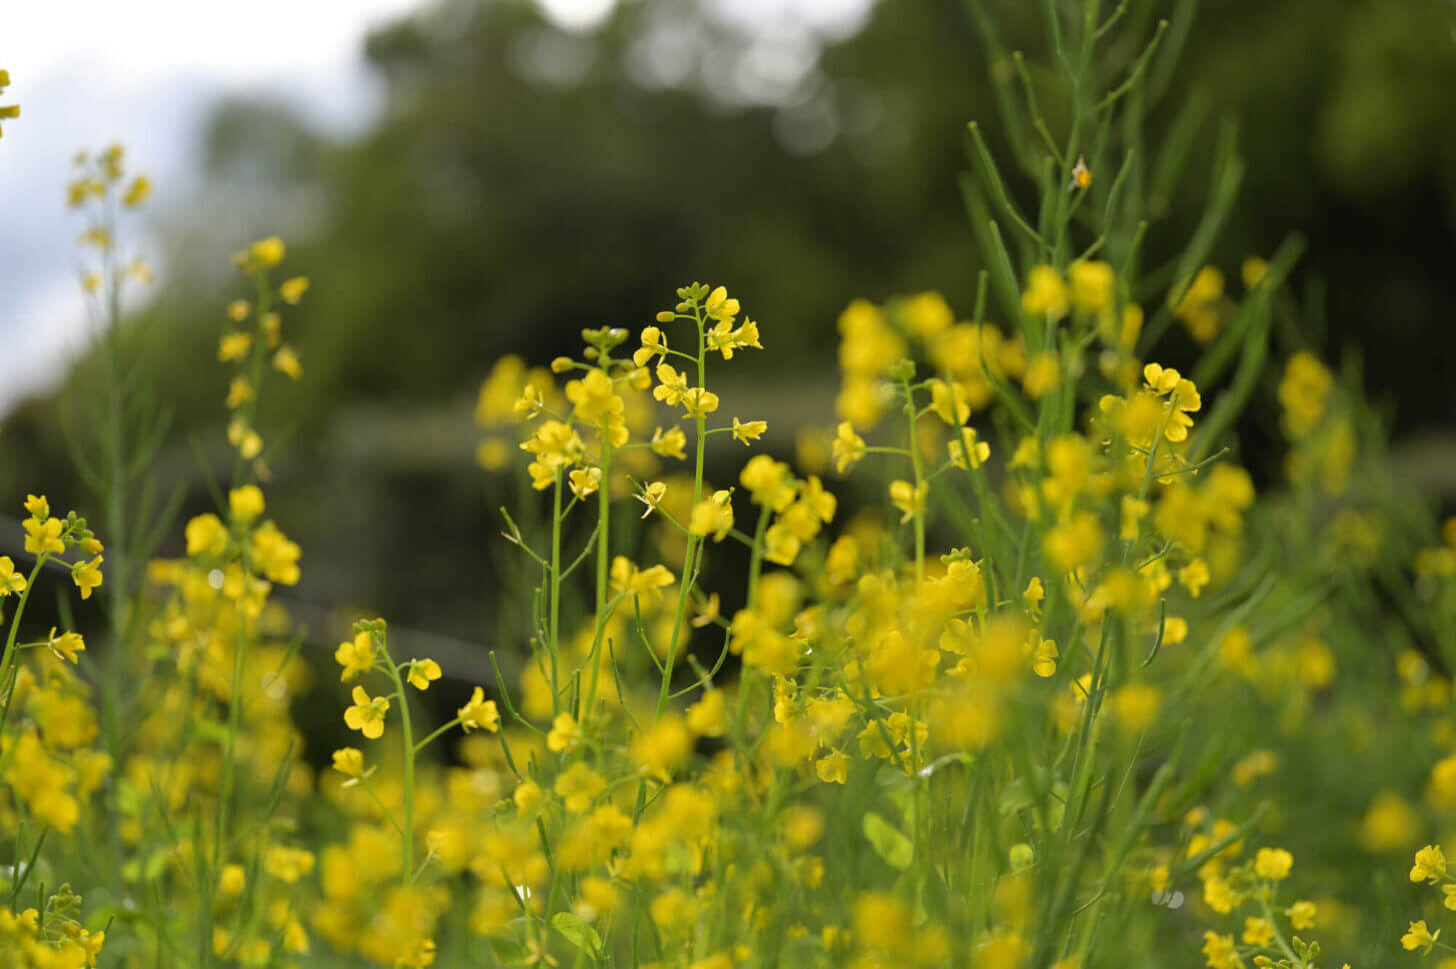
578	933
888	842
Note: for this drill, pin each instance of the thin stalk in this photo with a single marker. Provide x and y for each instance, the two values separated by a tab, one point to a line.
553	644
915	463
407	841
694	541
604	521
9	658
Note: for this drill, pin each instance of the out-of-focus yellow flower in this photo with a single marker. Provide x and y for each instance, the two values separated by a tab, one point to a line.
292	290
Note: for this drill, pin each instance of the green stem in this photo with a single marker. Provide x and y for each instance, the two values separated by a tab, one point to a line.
436	733
604	519
755	560
553	644
919	518
9	657
685	587
407	841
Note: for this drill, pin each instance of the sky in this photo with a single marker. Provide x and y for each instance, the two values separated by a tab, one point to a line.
87	73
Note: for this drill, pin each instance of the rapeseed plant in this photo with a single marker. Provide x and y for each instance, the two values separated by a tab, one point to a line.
1005	691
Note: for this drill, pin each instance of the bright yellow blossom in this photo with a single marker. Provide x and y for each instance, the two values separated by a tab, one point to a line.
479	713
87	576
1419	937
1430	865
423	672
349	761
367	714
750	431
10	580
356	656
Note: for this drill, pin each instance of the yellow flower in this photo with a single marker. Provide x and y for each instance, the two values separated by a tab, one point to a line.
651	496
422	672
38	507
671	385
66	645
1273	863
246	503
1220	951
1135	705
720	307
248	441
349	761
928	314
234	346
1043	373
713	516
848	447
479	713
1304	393
367	714
748	432
292	291
1430	865
526	797
240	391
910	499
950	402
285	361
1419	937
7	111
708	717
1075	543
699	402
669	443
584	482
577	785
138	192
663	747
882	921
1046	294
44	537
626	577
1194	576
980	450
231	881
1093	285
1219	895
10	580
564	733
268	252
1301	915
356	656
1258	931
653	345
87	576
286	864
